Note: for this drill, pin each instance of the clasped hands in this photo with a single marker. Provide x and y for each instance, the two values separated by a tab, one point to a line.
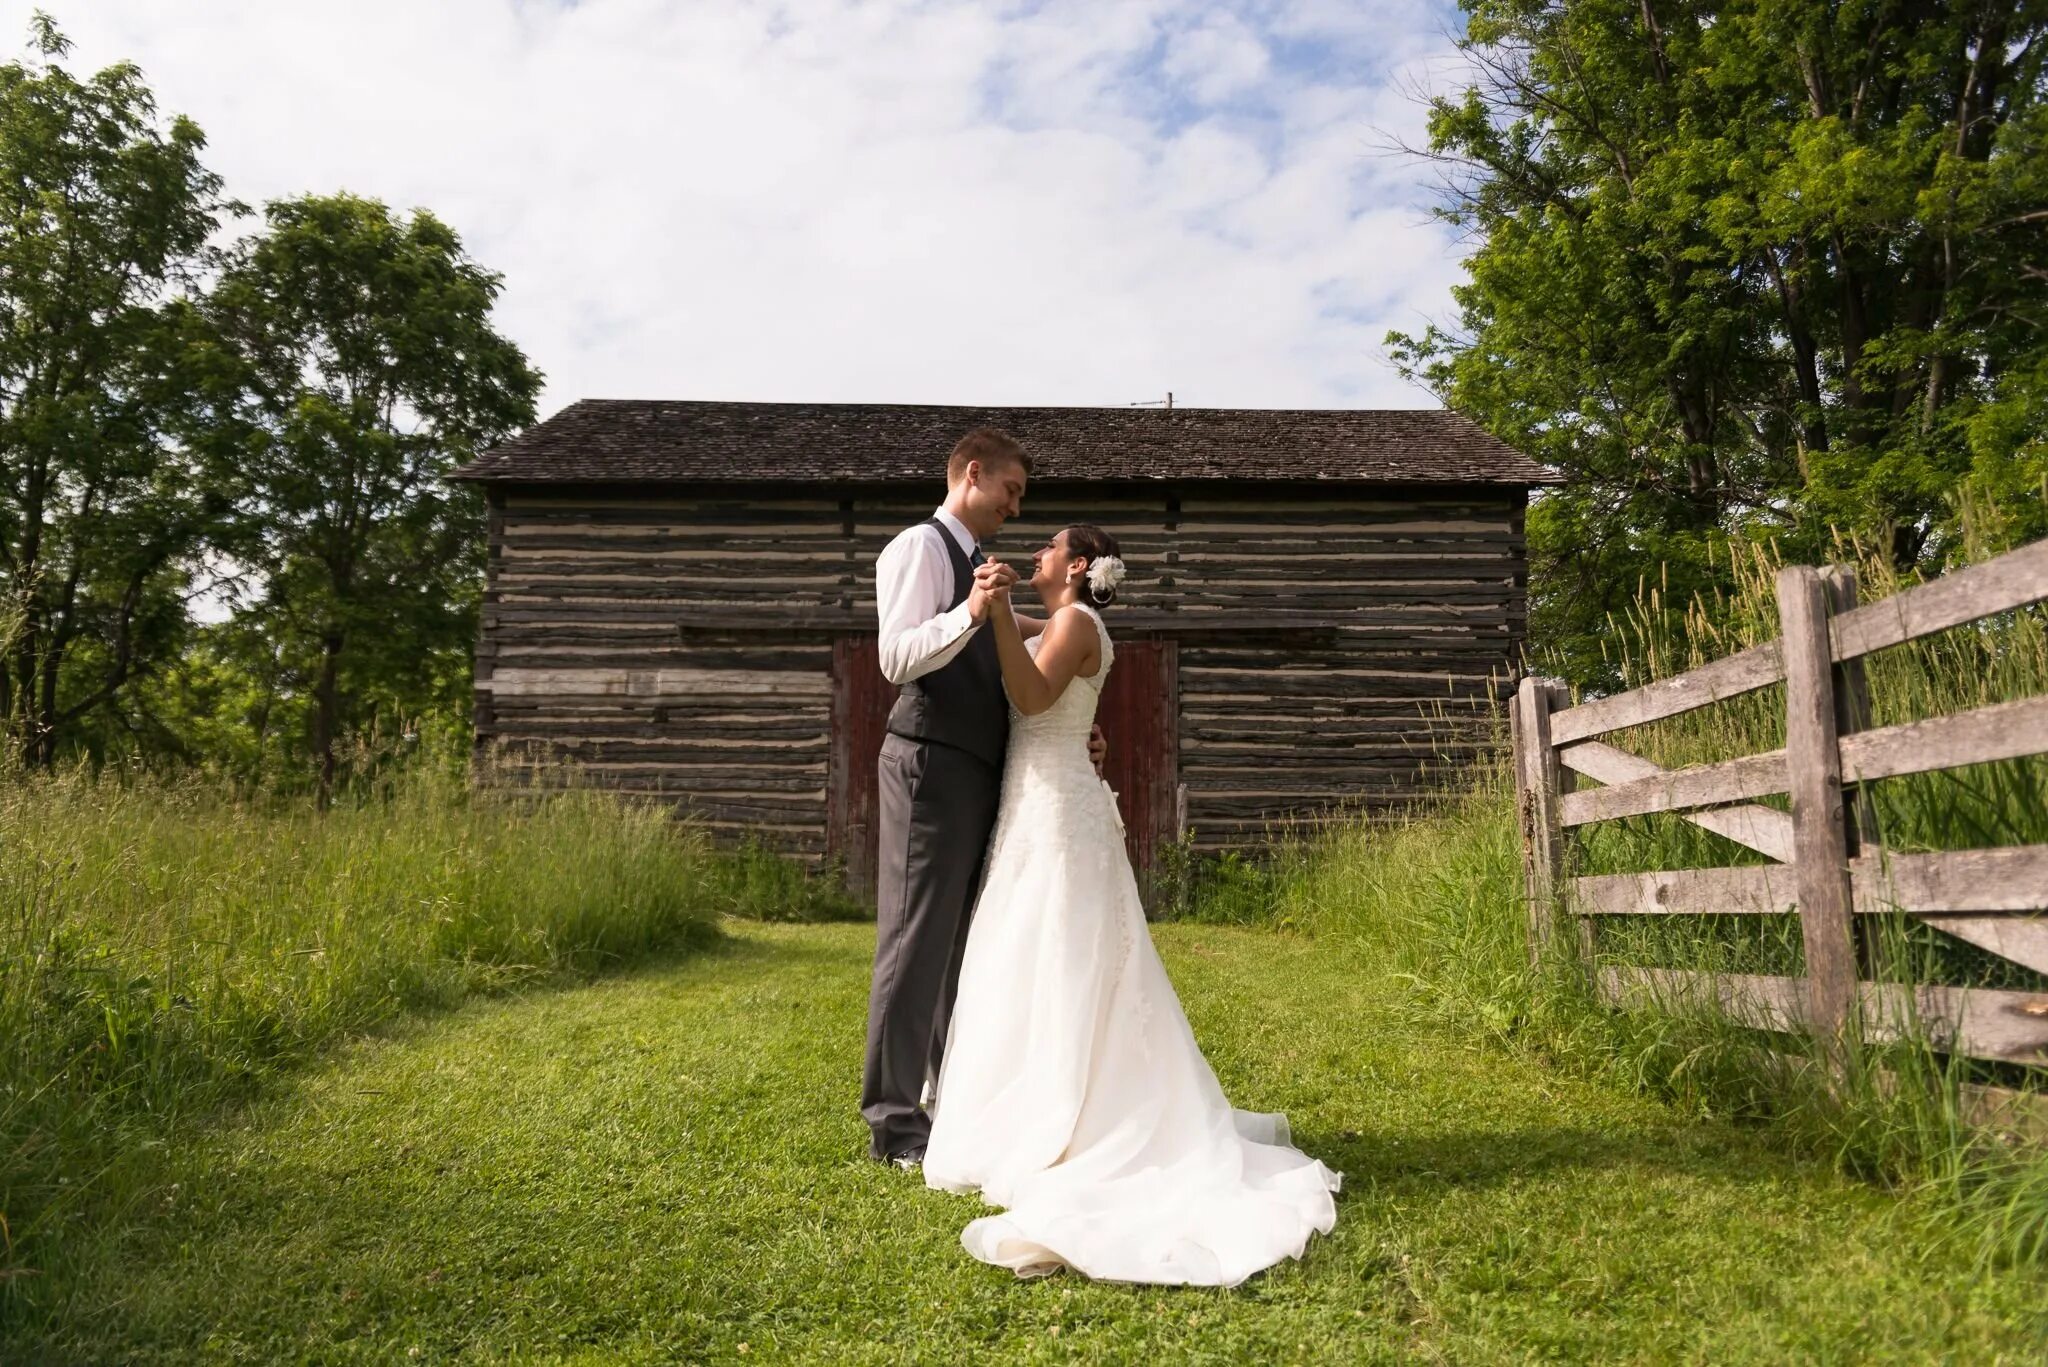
992	581
991	592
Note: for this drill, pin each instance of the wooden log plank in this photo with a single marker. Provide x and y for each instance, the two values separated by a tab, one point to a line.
1338	752
2013	580
713	709
734	595
2011	878
1766	830
753	783
768	757
1475	729
708	731
1752	891
1773	890
1440	598
1260	806
735	683
641	658
1329	786
665	557
1417	575
1813	760
542	536
2009	730
2024	940
1674	790
2008	878
1978	1022
1333	522
728	805
619	582
1756	1000
1537	809
1729	677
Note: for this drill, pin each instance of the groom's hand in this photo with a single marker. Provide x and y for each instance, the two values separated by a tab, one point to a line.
992	580
1098	749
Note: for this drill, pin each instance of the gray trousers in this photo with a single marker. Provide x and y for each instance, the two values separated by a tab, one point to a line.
937	808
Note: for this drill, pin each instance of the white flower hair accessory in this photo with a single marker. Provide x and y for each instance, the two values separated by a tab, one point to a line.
1105	573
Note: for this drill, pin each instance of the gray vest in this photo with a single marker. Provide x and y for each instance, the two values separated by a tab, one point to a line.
962	703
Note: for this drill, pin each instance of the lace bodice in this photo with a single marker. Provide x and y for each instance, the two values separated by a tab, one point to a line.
1048	782
1070	717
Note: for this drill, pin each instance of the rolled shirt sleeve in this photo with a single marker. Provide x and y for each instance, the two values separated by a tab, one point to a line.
913	581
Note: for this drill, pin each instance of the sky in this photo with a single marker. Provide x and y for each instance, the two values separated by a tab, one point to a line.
863	200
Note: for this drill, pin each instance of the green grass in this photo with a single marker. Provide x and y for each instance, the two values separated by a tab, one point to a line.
665	1165
167	948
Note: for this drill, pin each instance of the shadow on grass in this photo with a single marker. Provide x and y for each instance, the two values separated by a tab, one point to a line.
1392	1164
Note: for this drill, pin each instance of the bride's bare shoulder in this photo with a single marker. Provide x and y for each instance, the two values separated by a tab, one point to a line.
1076	623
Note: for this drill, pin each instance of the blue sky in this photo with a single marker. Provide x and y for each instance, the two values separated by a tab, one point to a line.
1061	203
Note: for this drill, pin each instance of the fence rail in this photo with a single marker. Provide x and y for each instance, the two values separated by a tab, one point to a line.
1827	868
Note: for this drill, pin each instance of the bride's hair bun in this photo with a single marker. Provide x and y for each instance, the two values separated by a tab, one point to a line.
1105	563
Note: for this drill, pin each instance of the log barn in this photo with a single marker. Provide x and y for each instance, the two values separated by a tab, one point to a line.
1321	603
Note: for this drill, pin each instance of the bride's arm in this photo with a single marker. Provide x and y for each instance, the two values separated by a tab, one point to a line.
1034	685
1028	627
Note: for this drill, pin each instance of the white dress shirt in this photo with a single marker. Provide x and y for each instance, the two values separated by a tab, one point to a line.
913	585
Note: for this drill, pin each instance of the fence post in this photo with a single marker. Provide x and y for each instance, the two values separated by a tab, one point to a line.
1813	762
1536	794
1852	710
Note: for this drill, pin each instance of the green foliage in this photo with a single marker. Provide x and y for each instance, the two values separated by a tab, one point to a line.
267	424
371	370
762	884
1228	888
105	491
1745	272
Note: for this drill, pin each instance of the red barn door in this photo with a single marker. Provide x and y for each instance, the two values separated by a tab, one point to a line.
861	699
1139	715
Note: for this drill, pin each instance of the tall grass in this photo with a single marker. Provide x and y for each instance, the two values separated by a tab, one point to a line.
1440	898
165	946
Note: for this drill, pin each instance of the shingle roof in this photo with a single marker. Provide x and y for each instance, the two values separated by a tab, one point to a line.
639	441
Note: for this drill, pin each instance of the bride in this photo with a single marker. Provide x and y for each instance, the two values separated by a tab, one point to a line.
1072	1091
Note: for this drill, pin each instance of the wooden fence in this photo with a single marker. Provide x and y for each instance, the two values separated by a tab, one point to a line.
1826	865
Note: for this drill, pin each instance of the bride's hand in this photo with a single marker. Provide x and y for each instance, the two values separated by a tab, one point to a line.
992	580
992	583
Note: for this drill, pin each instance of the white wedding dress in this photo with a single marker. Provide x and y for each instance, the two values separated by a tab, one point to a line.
1072	1091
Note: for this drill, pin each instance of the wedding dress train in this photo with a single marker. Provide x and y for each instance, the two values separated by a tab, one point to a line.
1072	1091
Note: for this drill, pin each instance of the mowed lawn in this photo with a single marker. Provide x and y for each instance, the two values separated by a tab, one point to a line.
666	1166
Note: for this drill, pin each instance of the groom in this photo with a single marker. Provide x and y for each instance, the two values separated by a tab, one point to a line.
941	771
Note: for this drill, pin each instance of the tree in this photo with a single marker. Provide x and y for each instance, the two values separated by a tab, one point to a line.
1760	269
372	369
104	379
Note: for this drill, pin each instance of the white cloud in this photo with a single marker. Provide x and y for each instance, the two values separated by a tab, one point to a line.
1216	58
886	201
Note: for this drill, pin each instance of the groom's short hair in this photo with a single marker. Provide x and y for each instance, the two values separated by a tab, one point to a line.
989	445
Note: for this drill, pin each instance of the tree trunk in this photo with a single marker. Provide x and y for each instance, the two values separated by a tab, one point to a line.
1813	423
1855	337
326	714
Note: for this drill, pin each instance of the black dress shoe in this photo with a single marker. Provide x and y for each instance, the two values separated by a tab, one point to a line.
910	1160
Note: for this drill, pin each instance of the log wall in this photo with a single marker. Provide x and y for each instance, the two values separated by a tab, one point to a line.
678	642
